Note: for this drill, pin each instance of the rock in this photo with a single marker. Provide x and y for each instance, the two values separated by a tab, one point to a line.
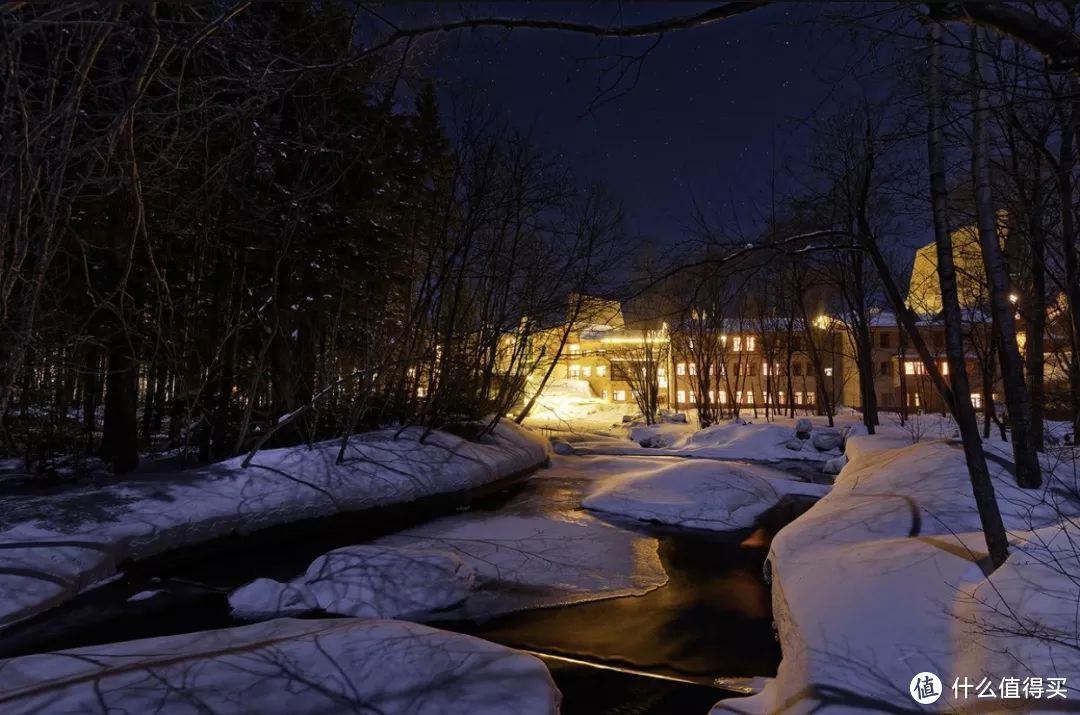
363	581
834	465
388	582
267	598
647	436
678	417
561	446
826	440
795	445
803	428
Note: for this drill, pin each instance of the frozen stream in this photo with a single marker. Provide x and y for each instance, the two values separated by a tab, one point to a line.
664	611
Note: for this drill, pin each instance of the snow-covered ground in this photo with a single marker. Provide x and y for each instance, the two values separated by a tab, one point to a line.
285	666
884	579
698	494
760	441
54	546
570	405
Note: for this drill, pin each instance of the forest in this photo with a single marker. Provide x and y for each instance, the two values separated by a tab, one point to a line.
214	219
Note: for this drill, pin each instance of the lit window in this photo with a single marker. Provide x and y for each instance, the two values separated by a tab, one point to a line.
601	370
680	396
750	344
575	349
909	368
723	397
605	393
750	397
693	397
693	368
680	369
828	372
586	371
781	398
738	396
661	382
976	400
798	398
661	372
712	396
620	395
737	344
421	391
575	370
809	398
944	368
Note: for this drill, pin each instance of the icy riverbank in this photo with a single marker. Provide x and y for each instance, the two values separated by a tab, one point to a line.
285	666
57	545
884	579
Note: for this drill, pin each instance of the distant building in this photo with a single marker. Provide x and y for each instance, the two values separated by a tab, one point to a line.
767	364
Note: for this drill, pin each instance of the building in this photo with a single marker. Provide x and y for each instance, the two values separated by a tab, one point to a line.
774	365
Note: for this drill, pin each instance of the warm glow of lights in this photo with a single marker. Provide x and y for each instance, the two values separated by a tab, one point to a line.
1014	298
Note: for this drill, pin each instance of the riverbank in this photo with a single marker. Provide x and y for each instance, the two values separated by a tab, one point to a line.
888	576
55	546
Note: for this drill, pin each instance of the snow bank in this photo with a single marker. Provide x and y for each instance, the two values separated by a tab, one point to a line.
697	494
529	561
772	441
285	666
364	581
58	545
882	579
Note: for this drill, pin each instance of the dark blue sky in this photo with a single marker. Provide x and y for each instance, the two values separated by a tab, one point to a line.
715	112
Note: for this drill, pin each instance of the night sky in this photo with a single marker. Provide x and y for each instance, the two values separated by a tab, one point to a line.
716	113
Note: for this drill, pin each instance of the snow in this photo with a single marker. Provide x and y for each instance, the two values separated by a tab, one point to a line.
285	666
884	578
363	581
697	494
58	545
761	441
569	404
529	561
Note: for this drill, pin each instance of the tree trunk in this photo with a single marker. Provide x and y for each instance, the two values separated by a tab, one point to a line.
981	486
120	432
1017	398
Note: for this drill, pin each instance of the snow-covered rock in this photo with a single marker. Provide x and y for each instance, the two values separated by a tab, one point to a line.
826	440
731	440
285	667
267	598
795	445
834	465
653	436
61	544
388	582
364	581
561	446
697	494
803	427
